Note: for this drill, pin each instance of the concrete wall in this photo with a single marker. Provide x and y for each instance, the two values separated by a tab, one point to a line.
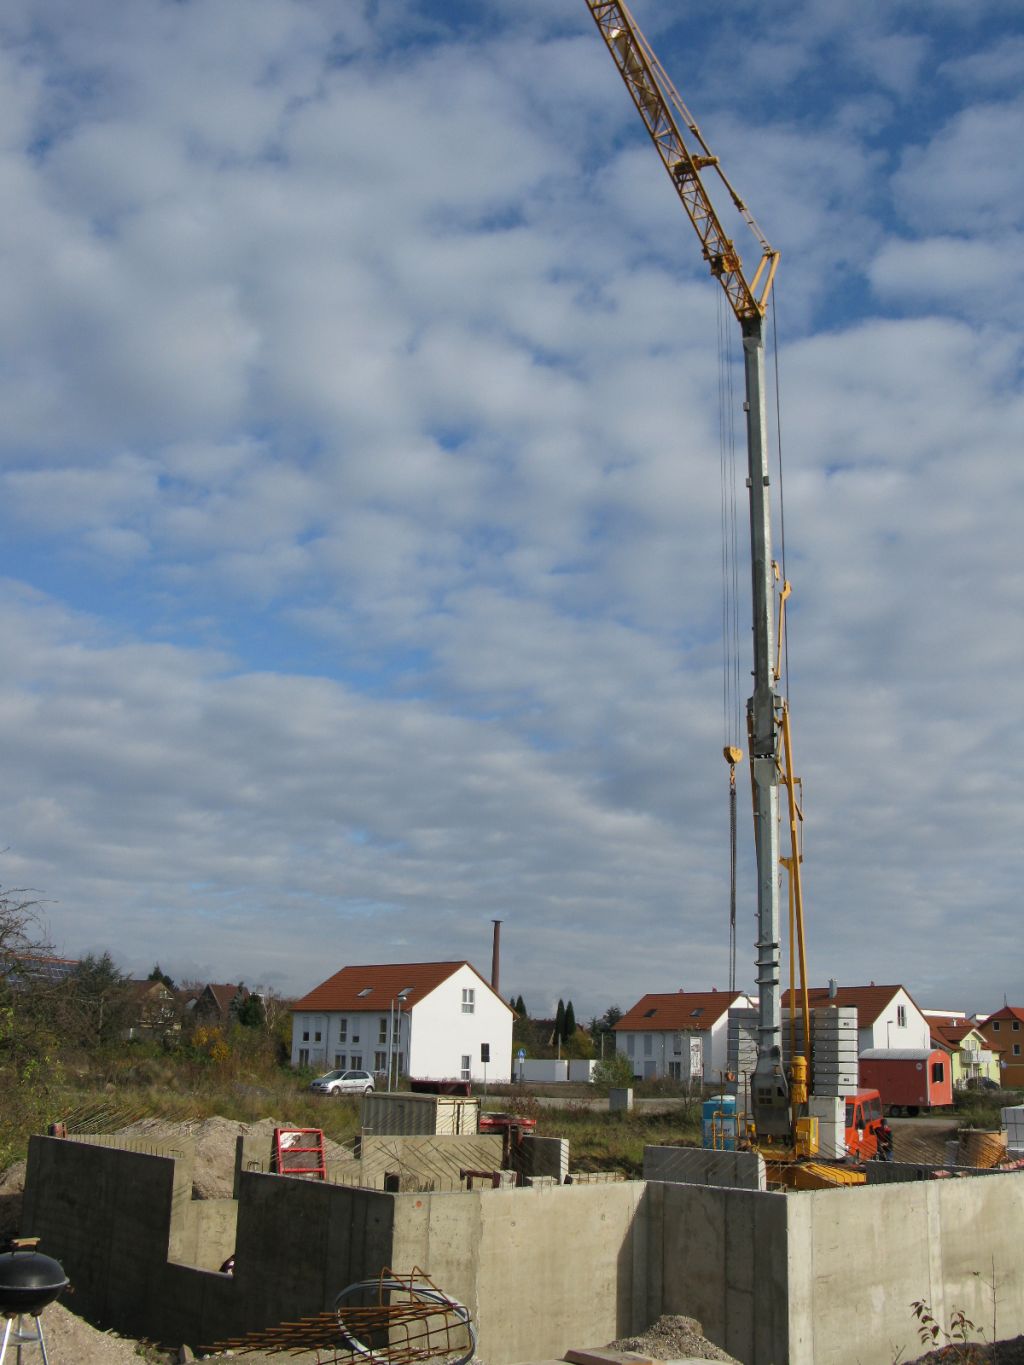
699	1166
543	1269
858	1259
802	1278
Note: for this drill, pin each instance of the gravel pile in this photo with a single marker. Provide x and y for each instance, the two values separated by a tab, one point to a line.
673	1337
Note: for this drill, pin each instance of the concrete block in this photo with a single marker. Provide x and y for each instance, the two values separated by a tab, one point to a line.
606	1356
620	1097
701	1166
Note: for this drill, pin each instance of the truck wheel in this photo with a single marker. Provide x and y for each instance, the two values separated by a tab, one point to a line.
894	1111
913	1111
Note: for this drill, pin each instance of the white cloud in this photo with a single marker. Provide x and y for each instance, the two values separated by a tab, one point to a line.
383	358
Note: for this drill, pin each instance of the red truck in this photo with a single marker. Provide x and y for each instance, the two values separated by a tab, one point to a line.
863	1120
908	1079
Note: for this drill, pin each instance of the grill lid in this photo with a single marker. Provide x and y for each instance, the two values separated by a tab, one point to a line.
28	1279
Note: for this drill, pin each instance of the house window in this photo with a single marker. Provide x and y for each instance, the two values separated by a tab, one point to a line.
317	1036
339	1061
342	1030
677	1043
303	1056
356	1061
629	1044
468	1002
1016	1049
674	1071
380	1061
1016	1026
648	1045
382	1031
305	1036
467	1063
995	1025
937	1073
400	1065
901	1016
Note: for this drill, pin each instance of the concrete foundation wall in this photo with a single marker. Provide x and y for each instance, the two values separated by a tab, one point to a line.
802	1278
857	1260
699	1166
720	1256
542	1269
437	1159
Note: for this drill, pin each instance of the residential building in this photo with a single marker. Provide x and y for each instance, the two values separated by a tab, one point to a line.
215	1002
971	1059
157	1010
887	1016
1003	1031
430	1020
682	1036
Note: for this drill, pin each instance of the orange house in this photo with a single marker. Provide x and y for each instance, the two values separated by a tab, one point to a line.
1004	1033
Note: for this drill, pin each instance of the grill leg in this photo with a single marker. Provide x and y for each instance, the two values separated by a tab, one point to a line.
22	1338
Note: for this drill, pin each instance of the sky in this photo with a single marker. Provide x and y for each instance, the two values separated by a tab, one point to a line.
365	406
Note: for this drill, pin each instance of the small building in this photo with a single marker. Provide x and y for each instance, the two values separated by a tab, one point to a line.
431	1020
682	1036
1004	1034
216	1003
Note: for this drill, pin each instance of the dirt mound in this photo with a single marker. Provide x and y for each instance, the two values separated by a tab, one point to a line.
215	1139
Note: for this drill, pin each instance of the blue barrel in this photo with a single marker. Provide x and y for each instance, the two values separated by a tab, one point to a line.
718	1122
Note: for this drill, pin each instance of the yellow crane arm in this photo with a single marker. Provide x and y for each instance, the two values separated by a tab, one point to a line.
659	105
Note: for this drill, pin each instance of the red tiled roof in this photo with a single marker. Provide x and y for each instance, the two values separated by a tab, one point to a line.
869	1001
382	984
951	1034
680	1012
1007	1012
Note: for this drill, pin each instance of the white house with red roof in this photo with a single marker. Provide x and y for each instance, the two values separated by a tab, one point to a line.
887	1016
437	1020
682	1036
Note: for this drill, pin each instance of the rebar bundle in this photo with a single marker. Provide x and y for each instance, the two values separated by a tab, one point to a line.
391	1320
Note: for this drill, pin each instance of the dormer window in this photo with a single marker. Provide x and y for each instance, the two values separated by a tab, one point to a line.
406	990
365	991
695	1014
649	1014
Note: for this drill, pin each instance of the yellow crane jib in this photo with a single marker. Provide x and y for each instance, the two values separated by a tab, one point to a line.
665	115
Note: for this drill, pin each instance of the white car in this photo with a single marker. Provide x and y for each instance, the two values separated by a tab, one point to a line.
343	1083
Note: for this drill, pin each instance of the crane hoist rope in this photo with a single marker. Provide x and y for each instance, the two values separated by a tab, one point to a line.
686	157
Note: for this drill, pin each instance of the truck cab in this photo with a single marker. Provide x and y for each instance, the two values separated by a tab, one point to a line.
863	1120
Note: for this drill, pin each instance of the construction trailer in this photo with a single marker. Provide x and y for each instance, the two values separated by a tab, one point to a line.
909	1080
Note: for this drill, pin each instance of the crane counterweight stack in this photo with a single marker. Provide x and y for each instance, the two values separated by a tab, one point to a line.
686	157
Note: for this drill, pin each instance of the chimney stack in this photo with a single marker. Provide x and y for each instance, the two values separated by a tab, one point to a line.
833	988
496	958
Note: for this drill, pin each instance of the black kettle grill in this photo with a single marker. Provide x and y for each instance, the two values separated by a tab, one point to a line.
28	1279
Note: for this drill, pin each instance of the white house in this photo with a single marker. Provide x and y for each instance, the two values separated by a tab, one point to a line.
683	1036
436	1020
886	1015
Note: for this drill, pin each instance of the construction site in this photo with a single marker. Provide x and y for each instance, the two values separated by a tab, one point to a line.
541	1258
791	1235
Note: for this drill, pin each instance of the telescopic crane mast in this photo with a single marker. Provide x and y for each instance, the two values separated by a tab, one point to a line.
687	157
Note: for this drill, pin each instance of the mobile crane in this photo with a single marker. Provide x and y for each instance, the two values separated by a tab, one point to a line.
778	1103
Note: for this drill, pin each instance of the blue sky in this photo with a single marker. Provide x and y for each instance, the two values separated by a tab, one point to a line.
360	488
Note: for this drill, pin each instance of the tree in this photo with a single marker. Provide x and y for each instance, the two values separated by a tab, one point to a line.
520	1007
157	975
615	1070
249	1012
98	1002
569	1023
560	1020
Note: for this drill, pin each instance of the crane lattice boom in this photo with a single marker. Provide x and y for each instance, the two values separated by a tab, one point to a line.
659	105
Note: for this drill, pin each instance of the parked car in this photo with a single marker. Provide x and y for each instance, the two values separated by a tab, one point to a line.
343	1083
